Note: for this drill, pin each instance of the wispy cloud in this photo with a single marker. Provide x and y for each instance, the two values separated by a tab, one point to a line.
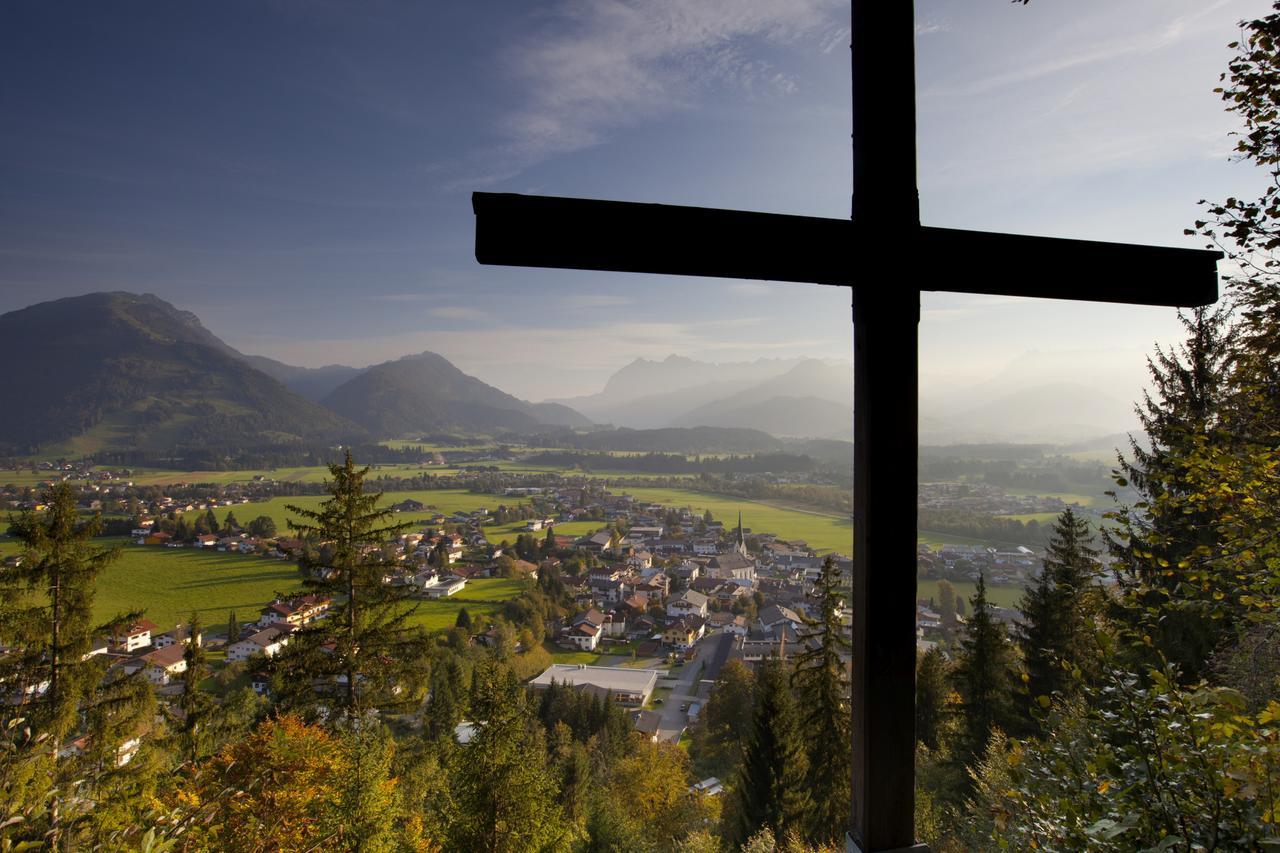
1142	42
603	64
458	312
597	300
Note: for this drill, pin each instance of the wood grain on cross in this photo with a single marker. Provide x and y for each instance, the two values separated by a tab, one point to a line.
872	252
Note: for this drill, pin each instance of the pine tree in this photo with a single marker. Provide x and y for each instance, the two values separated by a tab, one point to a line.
46	632
448	700
231	524
194	703
821	681
365	655
770	787
1159	540
931	696
463	619
233	628
982	675
505	795
1052	634
947	604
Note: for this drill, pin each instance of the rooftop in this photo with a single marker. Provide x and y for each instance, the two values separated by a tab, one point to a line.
614	678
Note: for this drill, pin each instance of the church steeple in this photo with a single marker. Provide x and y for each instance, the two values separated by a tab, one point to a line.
741	545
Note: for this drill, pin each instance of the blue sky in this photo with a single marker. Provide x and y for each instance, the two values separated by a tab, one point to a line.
298	173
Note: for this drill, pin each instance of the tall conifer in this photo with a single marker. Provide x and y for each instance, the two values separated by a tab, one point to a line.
821	680
1052	633
770	788
983	677
365	654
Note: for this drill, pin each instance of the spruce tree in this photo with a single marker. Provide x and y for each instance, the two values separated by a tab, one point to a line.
505	796
982	675
233	628
46	633
770	787
194	703
821	681
1159	541
1053	631
365	655
931	697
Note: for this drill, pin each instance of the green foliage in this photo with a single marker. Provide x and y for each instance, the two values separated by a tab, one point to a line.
1057	614
821	682
48	782
769	790
1140	763
982	676
504	795
931	693
724	722
365	655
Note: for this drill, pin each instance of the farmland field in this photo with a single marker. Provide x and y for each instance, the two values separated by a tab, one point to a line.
1001	596
490	589
171	583
442	614
446	501
823	532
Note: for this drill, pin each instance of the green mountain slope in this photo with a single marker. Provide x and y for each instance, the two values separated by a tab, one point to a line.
420	393
123	371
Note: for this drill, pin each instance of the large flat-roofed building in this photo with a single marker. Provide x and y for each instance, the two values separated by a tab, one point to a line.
626	686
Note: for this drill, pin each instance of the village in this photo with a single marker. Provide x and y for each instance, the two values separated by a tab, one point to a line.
664	596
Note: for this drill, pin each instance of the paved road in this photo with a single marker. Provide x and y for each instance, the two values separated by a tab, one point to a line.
712	653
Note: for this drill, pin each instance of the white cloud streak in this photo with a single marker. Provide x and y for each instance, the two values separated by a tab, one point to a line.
611	63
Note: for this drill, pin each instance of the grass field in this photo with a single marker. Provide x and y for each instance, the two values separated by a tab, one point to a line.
440	615
1002	596
446	501
822	532
1067	497
559	655
490	589
172	583
1039	517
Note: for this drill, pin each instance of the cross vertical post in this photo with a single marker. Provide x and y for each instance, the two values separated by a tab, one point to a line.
886	313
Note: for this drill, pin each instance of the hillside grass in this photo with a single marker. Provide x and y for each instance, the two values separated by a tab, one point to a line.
446	501
1001	596
170	584
822	531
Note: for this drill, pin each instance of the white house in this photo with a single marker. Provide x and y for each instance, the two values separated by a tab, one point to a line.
135	636
268	642
169	638
163	665
691	603
443	587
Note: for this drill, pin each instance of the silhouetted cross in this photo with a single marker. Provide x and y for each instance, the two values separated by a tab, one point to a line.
874	253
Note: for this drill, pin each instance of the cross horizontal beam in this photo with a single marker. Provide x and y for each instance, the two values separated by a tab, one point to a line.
570	233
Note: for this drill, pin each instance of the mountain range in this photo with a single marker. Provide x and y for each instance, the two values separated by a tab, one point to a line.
112	371
126	371
783	397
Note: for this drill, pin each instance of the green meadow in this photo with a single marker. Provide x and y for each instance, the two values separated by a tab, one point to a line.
823	532
446	501
169	584
1001	596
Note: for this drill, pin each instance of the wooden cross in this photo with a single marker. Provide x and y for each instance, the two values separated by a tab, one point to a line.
874	253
